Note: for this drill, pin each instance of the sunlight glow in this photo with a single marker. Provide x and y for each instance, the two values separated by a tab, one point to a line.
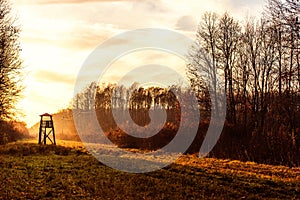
57	37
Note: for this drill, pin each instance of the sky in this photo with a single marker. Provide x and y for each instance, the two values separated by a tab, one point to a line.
58	35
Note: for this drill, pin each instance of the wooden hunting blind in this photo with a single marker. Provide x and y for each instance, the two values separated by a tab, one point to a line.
46	130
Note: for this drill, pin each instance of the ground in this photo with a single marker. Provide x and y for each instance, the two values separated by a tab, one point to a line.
68	171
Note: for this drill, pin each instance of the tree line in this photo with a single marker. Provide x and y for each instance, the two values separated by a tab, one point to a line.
259	63
139	102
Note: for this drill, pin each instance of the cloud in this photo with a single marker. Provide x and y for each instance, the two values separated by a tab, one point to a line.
186	23
65	1
239	3
150	5
53	77
244	8
76	42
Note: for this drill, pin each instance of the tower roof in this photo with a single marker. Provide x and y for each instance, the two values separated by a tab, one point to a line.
46	114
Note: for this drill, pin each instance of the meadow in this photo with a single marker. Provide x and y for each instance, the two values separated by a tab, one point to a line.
68	171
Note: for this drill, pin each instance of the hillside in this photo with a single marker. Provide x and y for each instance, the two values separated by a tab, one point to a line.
67	171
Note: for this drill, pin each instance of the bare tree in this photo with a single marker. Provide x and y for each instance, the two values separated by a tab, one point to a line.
252	48
10	62
228	41
283	16
200	66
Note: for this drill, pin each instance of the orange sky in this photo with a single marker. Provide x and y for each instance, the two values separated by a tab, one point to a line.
58	35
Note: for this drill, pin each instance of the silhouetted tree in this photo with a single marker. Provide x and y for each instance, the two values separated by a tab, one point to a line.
228	40
259	60
10	62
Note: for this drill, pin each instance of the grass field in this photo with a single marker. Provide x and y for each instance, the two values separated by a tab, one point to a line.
68	171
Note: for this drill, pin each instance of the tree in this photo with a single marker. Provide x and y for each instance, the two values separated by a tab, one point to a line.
228	41
219	38
199	67
10	62
283	16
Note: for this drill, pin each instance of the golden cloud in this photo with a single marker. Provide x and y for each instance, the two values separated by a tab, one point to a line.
53	77
67	1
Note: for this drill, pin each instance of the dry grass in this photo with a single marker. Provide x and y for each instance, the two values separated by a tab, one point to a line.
67	171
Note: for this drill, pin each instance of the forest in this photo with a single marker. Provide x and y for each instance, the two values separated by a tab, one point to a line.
258	60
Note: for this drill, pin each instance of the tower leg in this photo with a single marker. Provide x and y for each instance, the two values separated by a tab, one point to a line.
45	136
40	133
39	142
54	141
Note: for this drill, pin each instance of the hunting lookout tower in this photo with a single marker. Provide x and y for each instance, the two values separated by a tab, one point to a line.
46	130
